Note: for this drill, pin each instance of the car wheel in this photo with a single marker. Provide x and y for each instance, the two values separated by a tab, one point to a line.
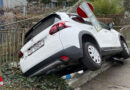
125	52
92	58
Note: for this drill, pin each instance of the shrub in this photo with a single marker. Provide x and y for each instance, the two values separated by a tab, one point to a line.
127	5
105	7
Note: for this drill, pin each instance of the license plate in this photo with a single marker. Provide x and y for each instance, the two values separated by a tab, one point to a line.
35	47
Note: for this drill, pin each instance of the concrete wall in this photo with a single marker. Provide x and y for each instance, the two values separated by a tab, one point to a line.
12	3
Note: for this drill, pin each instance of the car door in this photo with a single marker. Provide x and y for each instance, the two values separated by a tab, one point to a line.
106	37
102	32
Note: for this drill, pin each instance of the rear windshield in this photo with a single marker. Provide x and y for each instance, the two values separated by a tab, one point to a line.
40	26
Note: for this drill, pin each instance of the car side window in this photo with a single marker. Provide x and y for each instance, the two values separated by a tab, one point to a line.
80	19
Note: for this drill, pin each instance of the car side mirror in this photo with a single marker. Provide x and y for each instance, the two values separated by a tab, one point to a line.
111	25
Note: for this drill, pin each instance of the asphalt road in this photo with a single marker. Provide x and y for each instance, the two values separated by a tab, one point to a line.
115	78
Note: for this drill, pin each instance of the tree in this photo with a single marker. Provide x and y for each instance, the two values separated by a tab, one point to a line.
127	5
105	7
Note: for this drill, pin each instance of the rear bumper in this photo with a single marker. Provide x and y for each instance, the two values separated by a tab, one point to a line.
51	62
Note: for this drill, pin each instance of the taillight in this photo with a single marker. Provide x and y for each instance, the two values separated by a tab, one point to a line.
65	58
20	54
57	27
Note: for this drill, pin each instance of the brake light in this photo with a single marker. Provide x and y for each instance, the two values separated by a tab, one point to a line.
57	27
20	54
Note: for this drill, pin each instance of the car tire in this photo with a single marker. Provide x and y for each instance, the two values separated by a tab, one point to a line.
125	53
92	58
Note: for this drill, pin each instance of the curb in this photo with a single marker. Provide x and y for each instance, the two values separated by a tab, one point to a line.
77	82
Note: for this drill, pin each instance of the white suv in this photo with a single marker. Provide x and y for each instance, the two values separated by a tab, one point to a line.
63	42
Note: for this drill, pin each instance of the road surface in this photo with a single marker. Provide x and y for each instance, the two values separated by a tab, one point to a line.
115	78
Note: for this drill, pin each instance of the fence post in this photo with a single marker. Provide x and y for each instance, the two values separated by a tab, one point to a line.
1	81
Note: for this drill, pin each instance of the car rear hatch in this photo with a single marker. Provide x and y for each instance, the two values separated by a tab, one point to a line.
39	44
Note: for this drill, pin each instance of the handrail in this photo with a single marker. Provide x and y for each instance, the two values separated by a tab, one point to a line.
124	27
22	20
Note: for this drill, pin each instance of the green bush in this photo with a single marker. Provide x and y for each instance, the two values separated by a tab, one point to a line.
105	7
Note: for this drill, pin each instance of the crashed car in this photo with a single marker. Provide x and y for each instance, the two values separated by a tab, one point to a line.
62	43
61	40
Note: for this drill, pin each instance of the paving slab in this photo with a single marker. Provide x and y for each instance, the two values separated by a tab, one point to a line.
115	78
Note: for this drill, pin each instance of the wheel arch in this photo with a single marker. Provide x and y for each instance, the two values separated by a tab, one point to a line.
124	53
85	36
122	38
